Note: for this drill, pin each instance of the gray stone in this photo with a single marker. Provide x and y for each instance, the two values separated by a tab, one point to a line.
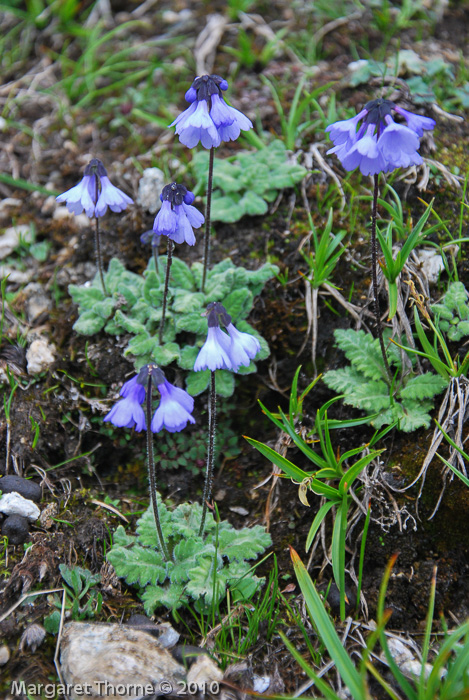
25	487
149	189
4	654
37	301
115	661
14	504
16	528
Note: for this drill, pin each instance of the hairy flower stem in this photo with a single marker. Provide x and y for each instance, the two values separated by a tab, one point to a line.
212	416
97	241
208	210
374	276
166	285
152	473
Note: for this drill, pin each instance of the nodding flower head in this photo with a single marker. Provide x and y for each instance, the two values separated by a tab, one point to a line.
374	142
174	409
95	193
225	350
209	119
176	218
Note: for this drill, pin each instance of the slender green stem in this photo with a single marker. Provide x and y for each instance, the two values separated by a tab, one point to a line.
212	416
152	473
97	241
208	210
166	285
374	275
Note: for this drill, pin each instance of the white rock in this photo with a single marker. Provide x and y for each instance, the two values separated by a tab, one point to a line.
14	504
114	660
4	654
413	669
149	189
260	684
50	205
203	672
37	301
40	356
16	276
11	238
400	652
432	263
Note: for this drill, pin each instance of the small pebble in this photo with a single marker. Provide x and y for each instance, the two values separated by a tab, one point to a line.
16	528
25	487
149	189
37	301
40	356
4	654
11	238
14	504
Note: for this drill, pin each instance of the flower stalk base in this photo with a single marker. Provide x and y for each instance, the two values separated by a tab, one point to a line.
212	416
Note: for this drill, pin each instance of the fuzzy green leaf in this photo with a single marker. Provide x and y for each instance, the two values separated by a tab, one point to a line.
252	204
181	276
146	529
171	596
344	380
85	297
424	386
88	323
238	303
141	344
188	356
131	325
204	583
165	354
137	564
370	396
197	382
187	302
224	382
192	323
363	351
415	415
243	544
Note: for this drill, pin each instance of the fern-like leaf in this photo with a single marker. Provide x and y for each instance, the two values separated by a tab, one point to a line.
171	596
363	351
138	565
424	386
243	544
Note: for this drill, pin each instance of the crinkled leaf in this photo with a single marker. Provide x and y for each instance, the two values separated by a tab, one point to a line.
197	382
181	276
187	302
192	323
424	386
362	350
204	583
165	354
227	209
131	325
247	543
188	356
369	396
171	596
88	323
85	297
224	382
252	204
138	564
141	344
415	415
343	380
146	528
238	303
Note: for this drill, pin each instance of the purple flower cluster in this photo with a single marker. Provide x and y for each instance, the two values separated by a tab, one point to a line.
95	193
209	119
225	350
173	412
380	144
176	218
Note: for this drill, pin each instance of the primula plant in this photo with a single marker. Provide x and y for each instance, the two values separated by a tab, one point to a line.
452	312
406	400
199	569
134	306
244	184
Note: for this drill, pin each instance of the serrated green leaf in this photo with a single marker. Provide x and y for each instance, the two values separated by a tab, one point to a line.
238	303
415	415
171	596
88	323
197	382
181	276
370	396
192	323
252	204
363	351
187	302
141	344
343	380
138	564
129	324
204	583
424	386
85	297
224	382
121	539
165	354
247	543
146	528
188	356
